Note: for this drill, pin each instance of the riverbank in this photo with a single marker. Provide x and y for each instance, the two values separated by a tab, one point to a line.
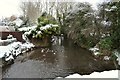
11	49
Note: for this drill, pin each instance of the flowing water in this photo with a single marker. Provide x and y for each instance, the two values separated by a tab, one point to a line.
59	60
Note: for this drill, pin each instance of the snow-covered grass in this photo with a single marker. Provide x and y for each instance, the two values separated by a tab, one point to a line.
13	49
105	74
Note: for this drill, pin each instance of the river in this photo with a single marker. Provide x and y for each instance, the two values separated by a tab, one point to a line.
61	59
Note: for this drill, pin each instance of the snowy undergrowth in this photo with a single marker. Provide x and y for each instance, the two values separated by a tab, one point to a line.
97	52
14	49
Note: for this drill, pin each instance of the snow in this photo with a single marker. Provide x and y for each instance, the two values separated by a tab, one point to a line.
94	49
48	26
39	32
28	33
9	36
103	35
27	28
96	53
34	27
88	14
45	27
108	9
7	28
8	40
106	58
91	34
106	23
18	22
4	28
117	54
9	58
105	74
119	59
14	48
112	8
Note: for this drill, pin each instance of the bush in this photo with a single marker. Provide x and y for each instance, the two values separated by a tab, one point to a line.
90	42
44	28
106	43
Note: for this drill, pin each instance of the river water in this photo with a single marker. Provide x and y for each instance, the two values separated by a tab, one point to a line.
61	59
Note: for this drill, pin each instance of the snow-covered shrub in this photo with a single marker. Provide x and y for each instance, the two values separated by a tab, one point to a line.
46	27
14	48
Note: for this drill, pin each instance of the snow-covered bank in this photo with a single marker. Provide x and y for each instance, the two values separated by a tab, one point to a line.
14	48
105	74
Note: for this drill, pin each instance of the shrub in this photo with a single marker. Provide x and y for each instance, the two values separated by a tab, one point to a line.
106	43
45	27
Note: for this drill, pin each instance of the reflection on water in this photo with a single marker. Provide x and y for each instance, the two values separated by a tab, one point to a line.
61	59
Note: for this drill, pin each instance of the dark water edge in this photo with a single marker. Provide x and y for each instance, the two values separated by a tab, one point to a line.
58	60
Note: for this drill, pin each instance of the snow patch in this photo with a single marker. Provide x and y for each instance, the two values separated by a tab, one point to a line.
105	74
18	22
106	23
4	28
106	58
95	50
27	28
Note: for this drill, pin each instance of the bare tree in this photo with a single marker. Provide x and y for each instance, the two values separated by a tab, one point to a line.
31	10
